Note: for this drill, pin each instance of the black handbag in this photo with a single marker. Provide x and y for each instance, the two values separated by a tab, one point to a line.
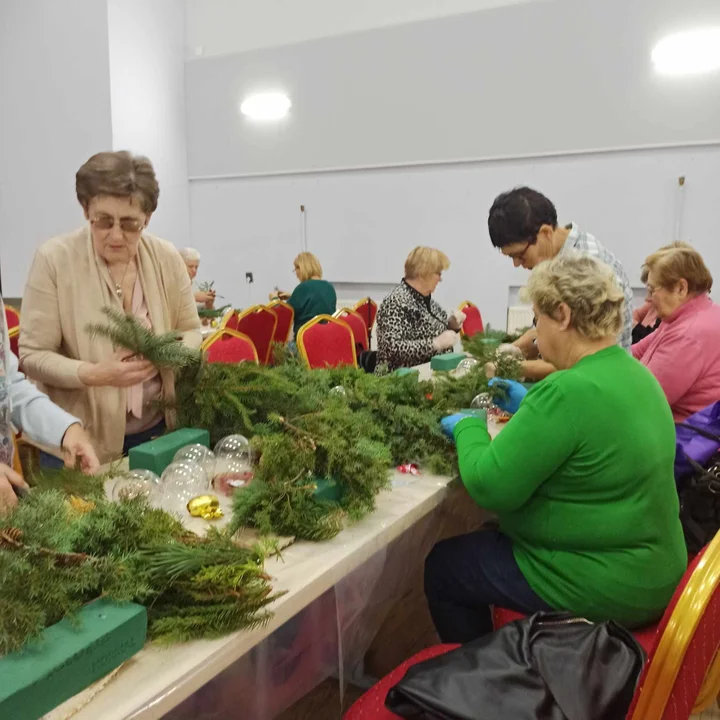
546	667
700	497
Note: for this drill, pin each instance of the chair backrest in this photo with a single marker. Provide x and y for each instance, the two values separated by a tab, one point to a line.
229	321
326	342
473	319
286	316
682	675
229	346
259	323
12	318
367	310
357	325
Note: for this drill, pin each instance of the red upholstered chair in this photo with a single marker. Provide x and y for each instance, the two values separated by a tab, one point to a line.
12	318
473	319
229	320
367	310
259	323
229	346
285	315
326	342
682	674
357	325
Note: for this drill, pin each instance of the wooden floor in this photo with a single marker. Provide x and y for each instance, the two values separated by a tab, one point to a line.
323	703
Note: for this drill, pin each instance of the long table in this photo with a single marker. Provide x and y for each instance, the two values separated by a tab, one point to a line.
158	679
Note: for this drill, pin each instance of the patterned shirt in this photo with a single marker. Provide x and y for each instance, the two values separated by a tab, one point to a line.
586	244
407	324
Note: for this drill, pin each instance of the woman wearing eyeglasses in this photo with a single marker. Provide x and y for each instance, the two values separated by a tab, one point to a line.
111	262
684	352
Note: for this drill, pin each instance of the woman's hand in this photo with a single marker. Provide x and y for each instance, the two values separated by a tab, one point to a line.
76	447
204	297
445	341
8	480
447	424
456	320
514	393
122	370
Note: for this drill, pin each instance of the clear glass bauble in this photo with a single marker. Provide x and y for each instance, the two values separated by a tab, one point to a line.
338	391
181	482
465	366
232	473
483	401
200	454
234	446
137	483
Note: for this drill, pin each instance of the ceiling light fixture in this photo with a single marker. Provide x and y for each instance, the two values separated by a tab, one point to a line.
688	53
266	106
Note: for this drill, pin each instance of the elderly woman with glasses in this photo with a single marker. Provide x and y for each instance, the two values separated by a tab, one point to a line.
204	298
684	352
112	262
581	478
411	326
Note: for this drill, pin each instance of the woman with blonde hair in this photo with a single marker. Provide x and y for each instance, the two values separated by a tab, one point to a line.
581	478
411	326
111	262
684	352
313	296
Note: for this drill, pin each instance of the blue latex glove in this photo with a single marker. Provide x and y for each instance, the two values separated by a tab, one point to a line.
514	394
447	424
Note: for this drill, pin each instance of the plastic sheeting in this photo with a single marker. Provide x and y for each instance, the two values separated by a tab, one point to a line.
329	638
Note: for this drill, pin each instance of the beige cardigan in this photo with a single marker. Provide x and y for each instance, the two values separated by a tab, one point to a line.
66	290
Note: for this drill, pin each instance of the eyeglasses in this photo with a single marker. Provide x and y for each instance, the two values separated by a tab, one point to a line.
127	225
521	255
651	290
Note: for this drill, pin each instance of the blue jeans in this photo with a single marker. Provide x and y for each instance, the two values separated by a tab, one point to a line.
50	462
466	575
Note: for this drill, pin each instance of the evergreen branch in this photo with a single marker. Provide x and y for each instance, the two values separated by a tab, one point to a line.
164	351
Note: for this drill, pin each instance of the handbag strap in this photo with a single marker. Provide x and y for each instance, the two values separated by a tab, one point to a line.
700	431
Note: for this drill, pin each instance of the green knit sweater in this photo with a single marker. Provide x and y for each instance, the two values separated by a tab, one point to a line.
312	298
582	481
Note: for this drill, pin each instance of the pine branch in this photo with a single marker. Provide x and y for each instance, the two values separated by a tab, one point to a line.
164	351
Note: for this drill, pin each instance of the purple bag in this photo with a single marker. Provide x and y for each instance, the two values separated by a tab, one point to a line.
698	445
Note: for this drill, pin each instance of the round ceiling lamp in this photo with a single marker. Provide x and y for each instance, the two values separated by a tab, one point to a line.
266	106
693	52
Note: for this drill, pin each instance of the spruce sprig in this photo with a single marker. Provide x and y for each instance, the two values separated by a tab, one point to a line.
165	351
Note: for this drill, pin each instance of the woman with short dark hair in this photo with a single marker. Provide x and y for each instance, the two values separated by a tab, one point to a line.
110	262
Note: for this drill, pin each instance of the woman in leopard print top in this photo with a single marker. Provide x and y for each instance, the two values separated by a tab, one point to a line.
411	326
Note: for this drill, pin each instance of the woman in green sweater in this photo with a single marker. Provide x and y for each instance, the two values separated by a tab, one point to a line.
313	296
581	478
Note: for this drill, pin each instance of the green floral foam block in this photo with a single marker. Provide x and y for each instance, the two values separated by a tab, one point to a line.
446	363
157	454
68	657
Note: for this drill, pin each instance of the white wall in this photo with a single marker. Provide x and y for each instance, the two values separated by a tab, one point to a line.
362	224
147	82
217	27
542	77
542	83
54	114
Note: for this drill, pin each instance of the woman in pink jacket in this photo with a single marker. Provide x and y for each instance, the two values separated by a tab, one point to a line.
684	352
